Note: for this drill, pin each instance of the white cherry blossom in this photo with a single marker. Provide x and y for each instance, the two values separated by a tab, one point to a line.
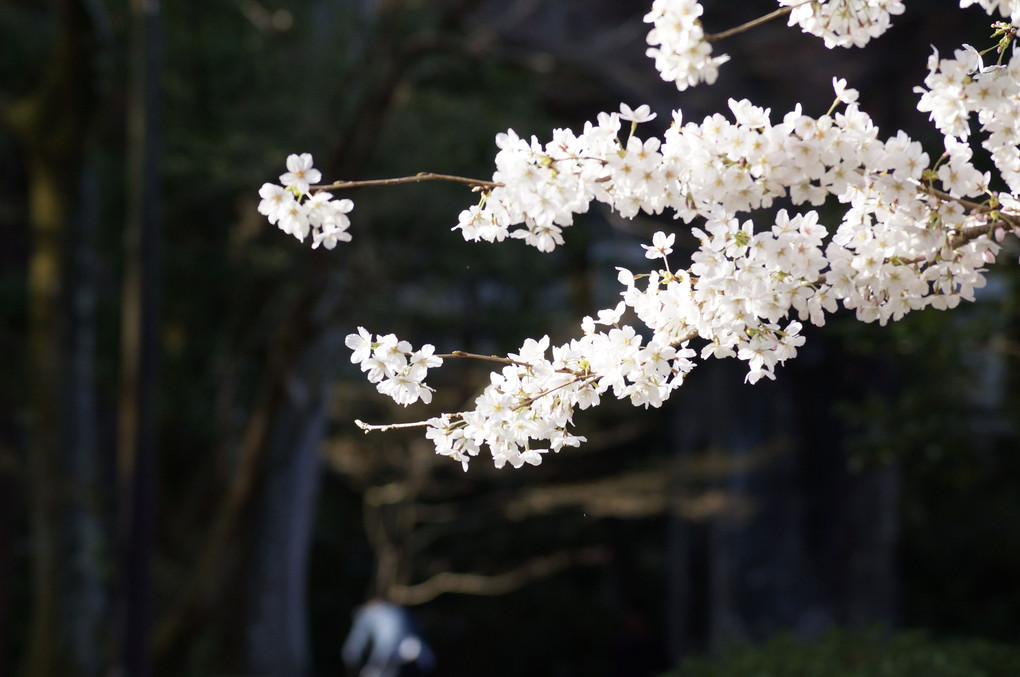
912	233
661	247
642	113
300	173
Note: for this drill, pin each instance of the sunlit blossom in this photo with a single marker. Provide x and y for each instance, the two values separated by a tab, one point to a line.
909	236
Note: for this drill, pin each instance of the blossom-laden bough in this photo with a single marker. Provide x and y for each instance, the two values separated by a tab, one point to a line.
913	234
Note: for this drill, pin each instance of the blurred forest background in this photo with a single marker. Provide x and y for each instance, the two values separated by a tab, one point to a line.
182	488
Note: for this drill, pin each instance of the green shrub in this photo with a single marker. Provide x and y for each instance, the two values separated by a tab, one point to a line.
860	653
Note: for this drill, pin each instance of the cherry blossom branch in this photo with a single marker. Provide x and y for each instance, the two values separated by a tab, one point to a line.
487	358
372	427
971	233
420	177
497	358
578	378
742	28
542	188
946	197
684	339
476	184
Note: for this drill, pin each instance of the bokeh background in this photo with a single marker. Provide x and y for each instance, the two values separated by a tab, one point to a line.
182	487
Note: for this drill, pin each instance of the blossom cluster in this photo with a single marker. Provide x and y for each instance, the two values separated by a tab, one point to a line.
893	252
394	366
957	88
528	406
913	233
843	23
683	51
678	45
298	212
536	191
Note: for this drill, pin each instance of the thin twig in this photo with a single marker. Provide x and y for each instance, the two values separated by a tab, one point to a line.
782	11
488	358
501	360
477	184
371	427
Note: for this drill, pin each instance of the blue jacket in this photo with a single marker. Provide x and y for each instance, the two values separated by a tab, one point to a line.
384	637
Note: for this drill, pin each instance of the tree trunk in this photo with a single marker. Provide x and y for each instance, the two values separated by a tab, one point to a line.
137	422
47	342
53	123
275	628
800	543
85	534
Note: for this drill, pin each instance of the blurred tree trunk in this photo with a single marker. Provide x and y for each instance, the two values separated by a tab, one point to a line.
218	558
88	603
137	420
276	620
47	344
872	512
53	122
800	542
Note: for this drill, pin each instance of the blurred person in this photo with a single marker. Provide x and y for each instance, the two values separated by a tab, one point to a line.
384	642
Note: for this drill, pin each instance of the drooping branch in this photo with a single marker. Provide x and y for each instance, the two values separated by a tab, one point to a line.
531	571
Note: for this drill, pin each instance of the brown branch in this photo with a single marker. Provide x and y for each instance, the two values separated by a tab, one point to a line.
969	234
488	358
499	584
782	11
505	360
946	197
476	184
